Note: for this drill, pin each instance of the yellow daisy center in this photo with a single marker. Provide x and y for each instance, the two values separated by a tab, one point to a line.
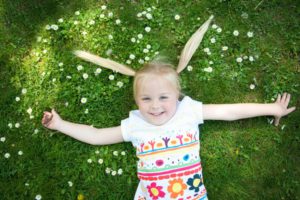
154	191
177	187
196	182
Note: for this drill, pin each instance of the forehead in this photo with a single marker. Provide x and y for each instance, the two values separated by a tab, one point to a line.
156	83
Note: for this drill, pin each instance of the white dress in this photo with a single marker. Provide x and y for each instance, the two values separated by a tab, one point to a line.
169	164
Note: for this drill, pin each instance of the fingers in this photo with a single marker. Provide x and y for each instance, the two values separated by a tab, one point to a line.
276	121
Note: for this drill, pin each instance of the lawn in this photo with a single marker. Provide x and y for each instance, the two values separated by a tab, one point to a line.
250	53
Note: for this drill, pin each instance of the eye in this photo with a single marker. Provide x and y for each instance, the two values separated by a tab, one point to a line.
164	97
145	98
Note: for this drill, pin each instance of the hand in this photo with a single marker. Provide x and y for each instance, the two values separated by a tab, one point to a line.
51	120
283	102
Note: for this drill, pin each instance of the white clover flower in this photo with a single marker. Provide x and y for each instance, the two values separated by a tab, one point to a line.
251	59
225	48
39	39
54	27
132	56
45	41
54	80
100	161
110	14
214	26
139	15
102	16
68	77
177	17
79	67
48	27
31	117
123	153
83	100
146	50
144	12
113	173
2	139
208	53
84	33
61	20
239	60
110	37
213	40
103	7
140	36
36	131
111	77
17	125
92	22
149	16
120	84
45	51
208	69
86	111
211	62
7	155
219	30
148	46
115	153
133	40
189	68
149	9
206	50
148	29
76	22
38	197
26	184
20	153
77	13
10	125
147	58
128	62
120	171
250	34
60	64
252	86
141	61
236	33
245	57
29	111
70	183
98	71
24	91
97	152
107	170
89	160
118	21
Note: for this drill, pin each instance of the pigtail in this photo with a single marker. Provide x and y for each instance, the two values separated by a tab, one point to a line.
109	64
192	45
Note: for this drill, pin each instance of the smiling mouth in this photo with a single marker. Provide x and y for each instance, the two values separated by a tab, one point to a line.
157	114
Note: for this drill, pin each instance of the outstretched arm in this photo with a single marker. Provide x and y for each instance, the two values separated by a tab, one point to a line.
84	133
230	112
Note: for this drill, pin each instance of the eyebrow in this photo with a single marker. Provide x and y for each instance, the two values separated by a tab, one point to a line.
164	93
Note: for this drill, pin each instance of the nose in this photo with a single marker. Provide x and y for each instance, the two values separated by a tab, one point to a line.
155	104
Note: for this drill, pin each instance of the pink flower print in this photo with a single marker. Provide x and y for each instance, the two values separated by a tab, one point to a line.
155	191
190	136
142	145
152	144
180	138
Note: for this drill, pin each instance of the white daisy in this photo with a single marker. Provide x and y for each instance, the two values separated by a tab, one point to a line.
83	100
177	17
103	7
2	139
118	21
132	56
120	84
189	68
225	48
250	34
148	29
7	155
70	183
111	77
24	91
79	67
236	33
77	13
251	59
208	69
140	36
38	197
239	60
252	86
100	161
61	20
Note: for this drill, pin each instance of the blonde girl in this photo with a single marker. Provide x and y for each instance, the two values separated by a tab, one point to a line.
164	130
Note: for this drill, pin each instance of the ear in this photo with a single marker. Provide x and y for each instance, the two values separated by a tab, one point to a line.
192	45
109	64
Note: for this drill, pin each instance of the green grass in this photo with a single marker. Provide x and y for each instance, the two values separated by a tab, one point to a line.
246	159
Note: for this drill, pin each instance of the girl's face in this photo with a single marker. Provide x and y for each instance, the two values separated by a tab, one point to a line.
157	99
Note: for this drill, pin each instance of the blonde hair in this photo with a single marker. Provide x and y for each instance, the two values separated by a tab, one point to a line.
164	70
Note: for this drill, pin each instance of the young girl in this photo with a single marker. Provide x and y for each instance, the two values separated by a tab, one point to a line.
164	130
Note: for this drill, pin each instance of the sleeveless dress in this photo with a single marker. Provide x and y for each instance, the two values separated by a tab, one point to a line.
169	164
